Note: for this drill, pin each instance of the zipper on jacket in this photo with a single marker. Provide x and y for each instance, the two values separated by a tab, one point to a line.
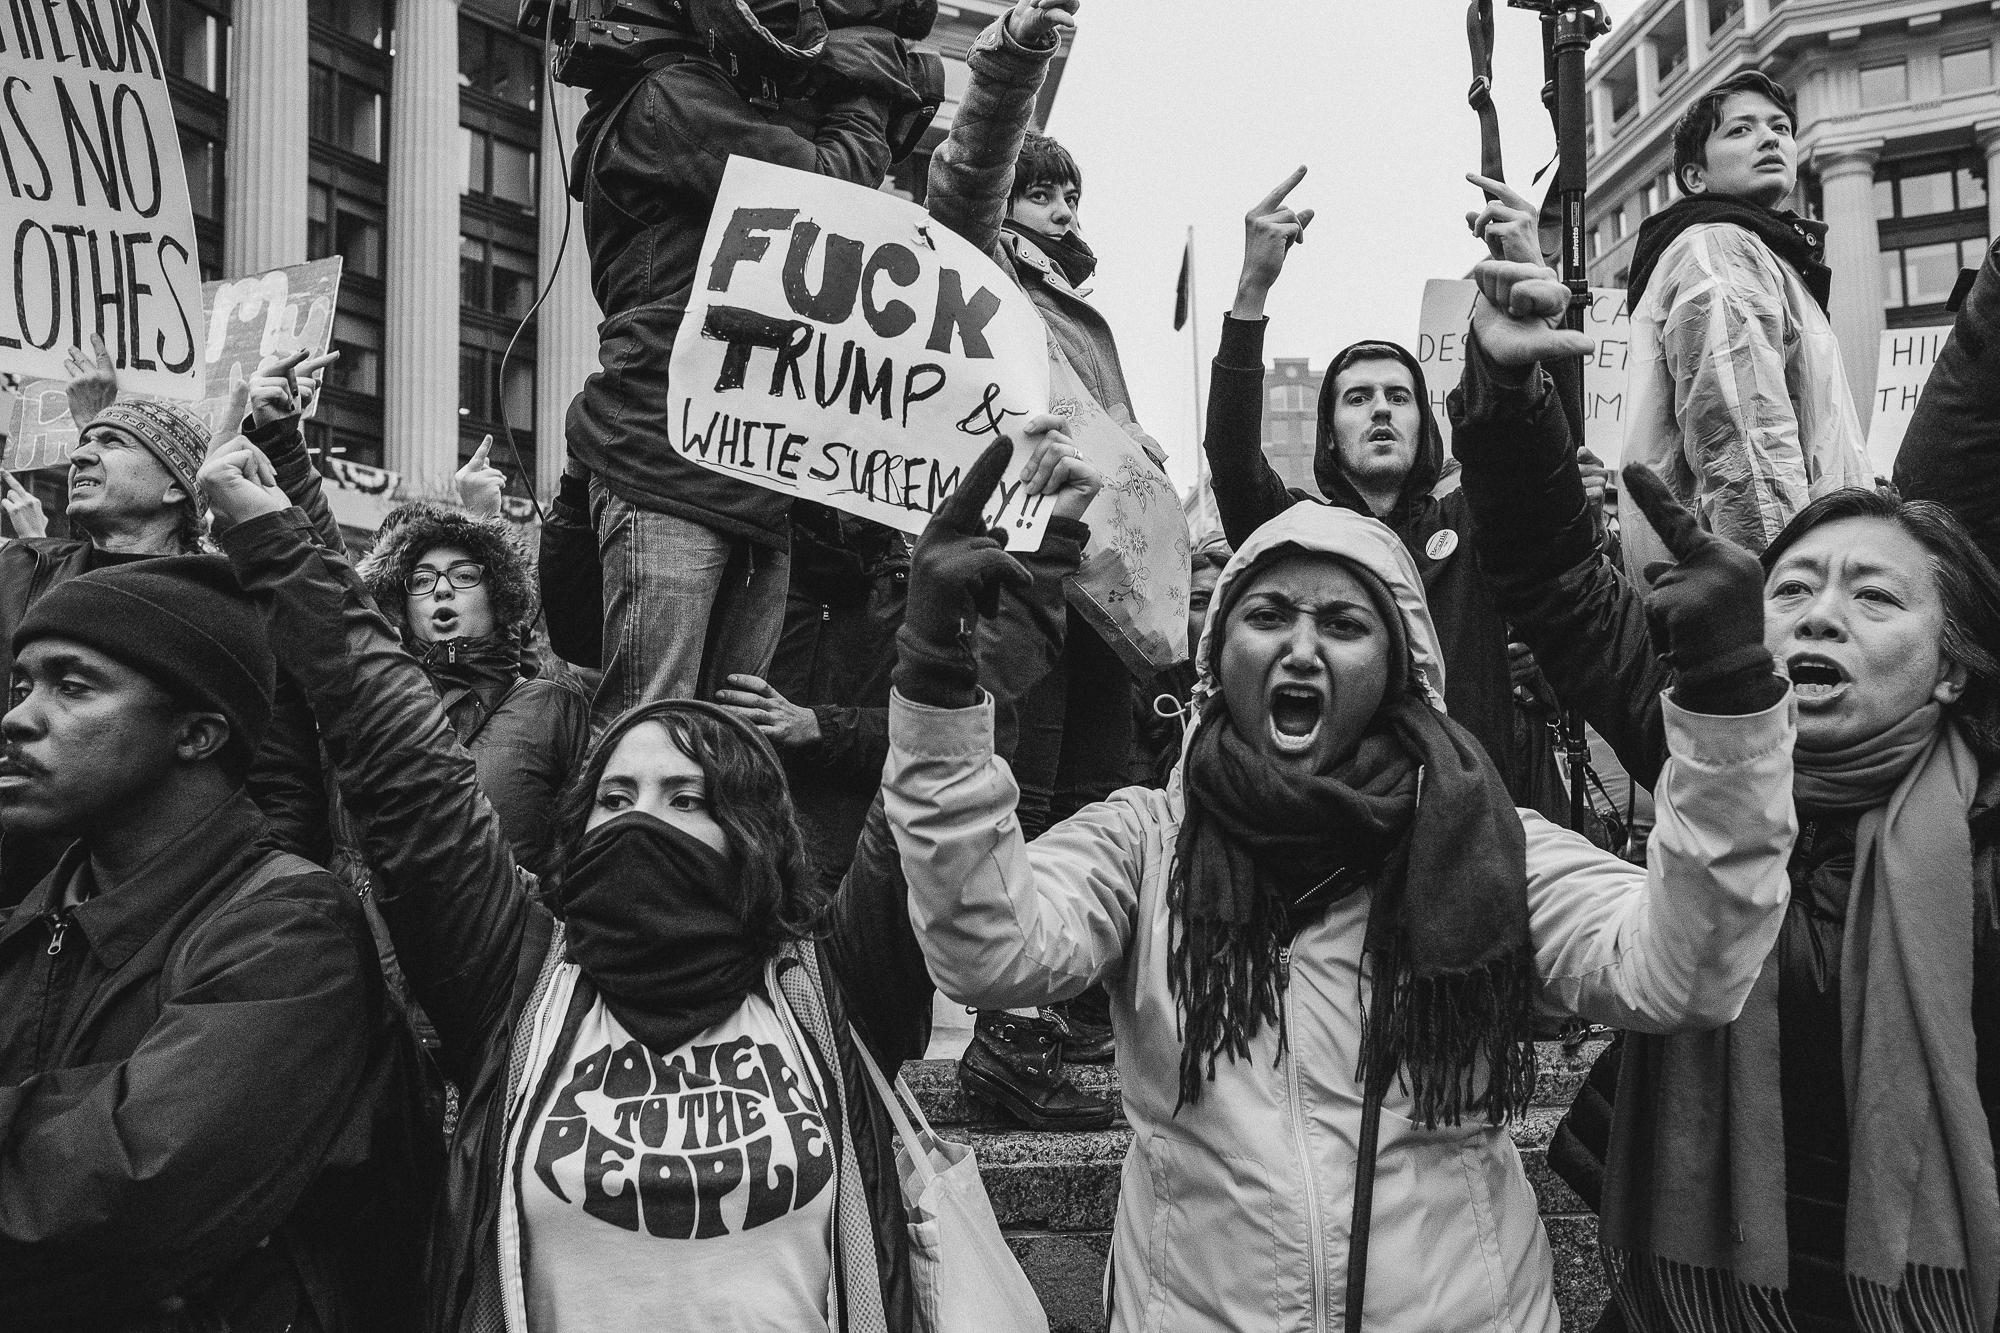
1297	1105
58	927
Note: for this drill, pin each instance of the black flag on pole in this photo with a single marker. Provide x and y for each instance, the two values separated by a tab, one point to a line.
1182	293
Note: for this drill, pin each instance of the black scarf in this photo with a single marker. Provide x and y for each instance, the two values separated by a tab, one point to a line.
1798	241
1417	813
1070	253
654	920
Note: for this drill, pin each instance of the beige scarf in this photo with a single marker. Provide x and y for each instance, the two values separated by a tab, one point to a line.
1694	1228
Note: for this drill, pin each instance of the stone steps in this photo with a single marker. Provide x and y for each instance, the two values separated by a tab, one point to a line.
1055	1195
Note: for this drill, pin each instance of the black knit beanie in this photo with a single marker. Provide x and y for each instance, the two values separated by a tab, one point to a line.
183	622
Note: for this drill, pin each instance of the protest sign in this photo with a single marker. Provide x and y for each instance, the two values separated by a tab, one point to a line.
247	319
841	346
1903	368
360	496
1447	309
96	231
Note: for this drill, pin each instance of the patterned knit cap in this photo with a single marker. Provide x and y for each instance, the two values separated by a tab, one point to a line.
176	436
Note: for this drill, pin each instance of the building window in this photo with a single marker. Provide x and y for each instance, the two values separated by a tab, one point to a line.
340	224
203	157
1971	189
1924	194
499	64
359	342
359	19
497	278
1885	85
1969	70
1923	275
345	112
193	44
502	171
1722	13
483	396
1623	84
1885	200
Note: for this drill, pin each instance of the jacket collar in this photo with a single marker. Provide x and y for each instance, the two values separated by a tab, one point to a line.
1031	257
119	918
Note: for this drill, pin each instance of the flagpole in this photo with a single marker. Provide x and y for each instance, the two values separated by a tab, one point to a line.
1194	343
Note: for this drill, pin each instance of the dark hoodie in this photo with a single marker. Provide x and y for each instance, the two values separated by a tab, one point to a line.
1479	691
1800	242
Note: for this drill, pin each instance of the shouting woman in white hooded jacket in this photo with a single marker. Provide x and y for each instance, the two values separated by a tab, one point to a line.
1327	941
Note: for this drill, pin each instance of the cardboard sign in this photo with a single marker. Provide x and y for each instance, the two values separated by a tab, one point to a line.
248	319
96	232
1902	369
843	347
1447	309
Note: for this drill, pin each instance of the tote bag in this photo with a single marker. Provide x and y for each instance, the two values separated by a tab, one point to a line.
966	1279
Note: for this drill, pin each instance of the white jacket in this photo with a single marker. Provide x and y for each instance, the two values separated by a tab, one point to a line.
1735	392
1234	1214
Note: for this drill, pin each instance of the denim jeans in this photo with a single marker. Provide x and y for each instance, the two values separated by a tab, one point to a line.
685	606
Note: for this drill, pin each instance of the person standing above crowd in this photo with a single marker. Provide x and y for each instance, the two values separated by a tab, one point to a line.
1826	1162
203	1095
461	594
1735	391
692	562
1378	452
132	496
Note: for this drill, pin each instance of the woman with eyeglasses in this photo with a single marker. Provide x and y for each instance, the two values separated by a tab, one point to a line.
462	595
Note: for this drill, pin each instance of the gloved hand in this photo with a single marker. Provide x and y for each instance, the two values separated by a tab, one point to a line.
1706	609
957	571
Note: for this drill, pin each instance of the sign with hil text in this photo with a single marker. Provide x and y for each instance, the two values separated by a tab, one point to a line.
1447	310
96	232
1904	367
248	319
841	346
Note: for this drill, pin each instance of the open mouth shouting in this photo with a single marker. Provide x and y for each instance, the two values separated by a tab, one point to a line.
1384	435
1816	680
444	622
1297	712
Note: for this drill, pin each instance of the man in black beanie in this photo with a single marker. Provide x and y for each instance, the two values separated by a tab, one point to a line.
201	1081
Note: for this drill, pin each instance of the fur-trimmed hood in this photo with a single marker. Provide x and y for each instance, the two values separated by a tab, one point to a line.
417	528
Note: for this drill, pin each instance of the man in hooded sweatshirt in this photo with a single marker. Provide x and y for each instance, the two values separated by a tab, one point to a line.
1378	452
1737	396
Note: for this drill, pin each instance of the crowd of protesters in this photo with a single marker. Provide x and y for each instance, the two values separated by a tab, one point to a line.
458	937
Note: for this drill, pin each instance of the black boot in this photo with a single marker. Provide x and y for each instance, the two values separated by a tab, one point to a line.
1089	1019
1015	1064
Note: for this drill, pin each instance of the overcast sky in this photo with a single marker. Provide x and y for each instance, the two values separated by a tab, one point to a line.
1186	113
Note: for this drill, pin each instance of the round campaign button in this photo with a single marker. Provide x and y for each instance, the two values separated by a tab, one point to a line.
1441	544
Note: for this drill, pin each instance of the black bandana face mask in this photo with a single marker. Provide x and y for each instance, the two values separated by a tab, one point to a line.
654	917
1068	252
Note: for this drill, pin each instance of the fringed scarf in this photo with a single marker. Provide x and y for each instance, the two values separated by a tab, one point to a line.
1694	1226
1419	816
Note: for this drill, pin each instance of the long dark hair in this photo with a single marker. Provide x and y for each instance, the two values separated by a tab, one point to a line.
781	898
1968	586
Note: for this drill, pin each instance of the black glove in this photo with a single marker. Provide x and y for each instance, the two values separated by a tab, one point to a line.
1706	609
957	570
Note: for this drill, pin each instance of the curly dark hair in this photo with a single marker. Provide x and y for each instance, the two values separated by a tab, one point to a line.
782	898
415	529
1968	586
1691	131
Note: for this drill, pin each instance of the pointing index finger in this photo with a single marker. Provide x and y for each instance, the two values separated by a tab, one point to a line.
961	512
1676	527
1276	198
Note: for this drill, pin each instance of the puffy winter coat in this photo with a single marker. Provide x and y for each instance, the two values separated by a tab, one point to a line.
1234	1213
1734	392
1951	452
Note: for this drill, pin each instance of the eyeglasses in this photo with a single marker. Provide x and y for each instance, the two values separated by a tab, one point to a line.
461	576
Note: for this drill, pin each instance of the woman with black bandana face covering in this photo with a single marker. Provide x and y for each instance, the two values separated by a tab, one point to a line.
1325	942
662	1108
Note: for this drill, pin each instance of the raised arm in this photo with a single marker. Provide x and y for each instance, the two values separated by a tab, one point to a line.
1951	452
1532	534
972	171
447	884
1248	491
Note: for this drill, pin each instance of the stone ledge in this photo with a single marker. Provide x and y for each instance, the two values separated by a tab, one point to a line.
1067	1270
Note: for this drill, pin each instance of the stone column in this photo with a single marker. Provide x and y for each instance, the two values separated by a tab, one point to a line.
1754	14
1989	144
1854	252
1695	14
1647	65
1600	116
426	174
566	329
264	208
